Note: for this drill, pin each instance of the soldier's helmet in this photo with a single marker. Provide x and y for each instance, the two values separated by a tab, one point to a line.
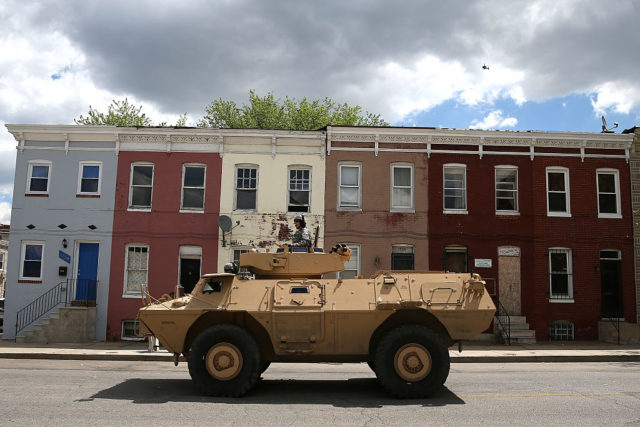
300	219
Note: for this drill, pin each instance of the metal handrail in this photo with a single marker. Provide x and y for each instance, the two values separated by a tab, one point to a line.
41	306
64	293
502	312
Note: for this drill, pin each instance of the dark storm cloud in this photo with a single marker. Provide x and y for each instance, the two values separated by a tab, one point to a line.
185	56
182	56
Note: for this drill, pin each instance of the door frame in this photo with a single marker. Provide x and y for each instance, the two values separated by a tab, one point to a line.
617	261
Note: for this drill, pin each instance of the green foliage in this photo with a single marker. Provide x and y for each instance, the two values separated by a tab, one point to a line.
122	113
292	114
119	113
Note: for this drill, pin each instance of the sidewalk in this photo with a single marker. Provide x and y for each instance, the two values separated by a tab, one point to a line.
472	352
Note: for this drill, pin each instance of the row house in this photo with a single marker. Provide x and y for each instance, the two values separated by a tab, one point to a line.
545	217
61	224
269	177
99	211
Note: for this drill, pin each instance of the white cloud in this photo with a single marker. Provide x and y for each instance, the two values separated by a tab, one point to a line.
400	89
5	213
612	96
494	120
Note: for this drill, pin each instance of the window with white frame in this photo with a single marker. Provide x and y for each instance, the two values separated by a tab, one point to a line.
89	178
558	203
246	187
506	189
299	189
401	186
193	183
608	183
31	256
349	196
1	261
351	267
140	192
38	177
455	187
131	330
560	274
137	268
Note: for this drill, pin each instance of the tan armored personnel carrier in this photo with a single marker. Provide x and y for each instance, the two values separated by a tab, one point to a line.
280	309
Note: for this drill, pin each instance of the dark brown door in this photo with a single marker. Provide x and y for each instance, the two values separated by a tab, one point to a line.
611	289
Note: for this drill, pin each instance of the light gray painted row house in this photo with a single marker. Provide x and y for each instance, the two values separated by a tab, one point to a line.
61	223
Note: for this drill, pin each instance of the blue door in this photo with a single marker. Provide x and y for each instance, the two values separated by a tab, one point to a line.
87	271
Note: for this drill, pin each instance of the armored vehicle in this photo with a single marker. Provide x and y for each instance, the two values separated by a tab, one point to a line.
279	308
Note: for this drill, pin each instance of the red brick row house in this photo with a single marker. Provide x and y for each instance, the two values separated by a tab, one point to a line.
545	217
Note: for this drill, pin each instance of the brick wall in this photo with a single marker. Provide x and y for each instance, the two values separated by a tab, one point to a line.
375	227
482	232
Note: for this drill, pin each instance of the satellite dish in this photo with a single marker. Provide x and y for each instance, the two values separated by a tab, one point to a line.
606	129
224	222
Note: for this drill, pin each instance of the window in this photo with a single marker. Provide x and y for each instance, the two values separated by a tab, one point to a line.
89	176
561	330
351	267
1	261
558	192
193	178
402	257
349	186
31	260
141	186
38	178
401	187
560	275
236	258
246	188
608	183
131	330
455	188
299	190
456	259
506	189
137	268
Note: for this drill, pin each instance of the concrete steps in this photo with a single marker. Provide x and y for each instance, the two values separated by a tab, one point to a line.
520	332
68	325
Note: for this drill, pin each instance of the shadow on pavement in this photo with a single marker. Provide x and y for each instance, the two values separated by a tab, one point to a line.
353	393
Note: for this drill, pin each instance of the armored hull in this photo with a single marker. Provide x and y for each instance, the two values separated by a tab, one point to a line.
401	322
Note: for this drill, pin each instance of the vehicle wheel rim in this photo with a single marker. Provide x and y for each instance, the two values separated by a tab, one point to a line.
224	361
412	362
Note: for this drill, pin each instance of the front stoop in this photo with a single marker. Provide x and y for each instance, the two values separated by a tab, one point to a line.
520	332
629	333
68	325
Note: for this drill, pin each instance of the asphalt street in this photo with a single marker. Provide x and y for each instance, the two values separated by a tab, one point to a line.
71	392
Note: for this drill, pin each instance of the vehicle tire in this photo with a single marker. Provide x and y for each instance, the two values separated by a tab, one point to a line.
225	360
371	365
411	361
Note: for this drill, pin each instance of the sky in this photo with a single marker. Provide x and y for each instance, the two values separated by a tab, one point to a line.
552	65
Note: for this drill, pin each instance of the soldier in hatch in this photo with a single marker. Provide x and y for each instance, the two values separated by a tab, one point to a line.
302	236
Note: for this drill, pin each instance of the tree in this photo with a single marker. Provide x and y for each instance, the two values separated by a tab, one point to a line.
292	114
122	113
119	113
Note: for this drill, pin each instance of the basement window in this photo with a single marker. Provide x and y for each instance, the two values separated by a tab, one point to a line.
561	330
131	330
